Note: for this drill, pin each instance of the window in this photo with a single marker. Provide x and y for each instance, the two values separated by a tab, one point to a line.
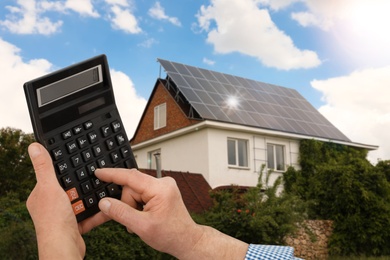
275	155
237	152
160	116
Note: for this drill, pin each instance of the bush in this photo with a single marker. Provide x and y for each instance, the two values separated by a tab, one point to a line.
258	216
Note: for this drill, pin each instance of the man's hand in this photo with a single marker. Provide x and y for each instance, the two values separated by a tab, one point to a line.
164	223
58	234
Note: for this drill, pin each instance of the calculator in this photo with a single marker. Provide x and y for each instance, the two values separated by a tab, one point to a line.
74	116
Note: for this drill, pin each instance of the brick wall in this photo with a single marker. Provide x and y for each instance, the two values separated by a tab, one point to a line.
311	240
176	118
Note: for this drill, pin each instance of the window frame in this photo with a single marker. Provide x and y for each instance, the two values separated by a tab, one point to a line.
240	160
160	116
275	159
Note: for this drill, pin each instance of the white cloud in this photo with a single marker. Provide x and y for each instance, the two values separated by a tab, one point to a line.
358	105
208	61
148	43
241	26
122	17
83	7
130	105
27	18
13	106
158	12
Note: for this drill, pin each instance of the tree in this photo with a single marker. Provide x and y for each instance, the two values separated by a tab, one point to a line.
340	184
16	172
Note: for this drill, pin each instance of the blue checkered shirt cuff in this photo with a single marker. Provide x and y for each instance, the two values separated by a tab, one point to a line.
266	252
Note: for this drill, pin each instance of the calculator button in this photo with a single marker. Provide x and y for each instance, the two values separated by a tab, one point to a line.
113	189
66	135
96	182
78	129
57	154
62	167
82	141
91	168
90	200
116	126
97	150
86	187
110	144
106	131
68	181
88	125
76	160
101	193
114	157
72	194
128	164
87	155
92	136
81	174
78	207
120	139
125	152
72	147
101	163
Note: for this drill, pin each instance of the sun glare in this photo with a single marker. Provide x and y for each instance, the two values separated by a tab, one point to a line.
232	102
364	28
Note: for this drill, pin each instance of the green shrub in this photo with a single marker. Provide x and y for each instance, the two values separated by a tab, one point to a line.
258	215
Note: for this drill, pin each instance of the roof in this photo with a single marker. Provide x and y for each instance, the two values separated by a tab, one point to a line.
231	99
193	187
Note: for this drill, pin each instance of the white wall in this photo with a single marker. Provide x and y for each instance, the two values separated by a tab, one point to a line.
205	151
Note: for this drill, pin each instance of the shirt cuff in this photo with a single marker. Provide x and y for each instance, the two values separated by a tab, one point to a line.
268	252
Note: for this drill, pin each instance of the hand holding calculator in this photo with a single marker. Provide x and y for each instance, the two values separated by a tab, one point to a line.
74	115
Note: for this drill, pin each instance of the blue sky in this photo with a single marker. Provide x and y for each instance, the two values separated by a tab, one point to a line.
334	52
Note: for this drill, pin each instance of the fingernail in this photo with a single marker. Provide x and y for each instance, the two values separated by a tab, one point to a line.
105	205
34	150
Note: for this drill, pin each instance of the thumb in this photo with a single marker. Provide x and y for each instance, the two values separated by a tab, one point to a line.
42	163
123	213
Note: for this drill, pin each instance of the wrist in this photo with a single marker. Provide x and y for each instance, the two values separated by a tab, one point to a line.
209	243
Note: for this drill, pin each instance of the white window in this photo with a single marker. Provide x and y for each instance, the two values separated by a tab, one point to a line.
237	152
160	116
275	157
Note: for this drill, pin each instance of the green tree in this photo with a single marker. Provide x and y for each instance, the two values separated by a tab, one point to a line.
340	184
16	172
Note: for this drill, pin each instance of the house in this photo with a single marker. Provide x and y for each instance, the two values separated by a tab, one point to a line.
226	127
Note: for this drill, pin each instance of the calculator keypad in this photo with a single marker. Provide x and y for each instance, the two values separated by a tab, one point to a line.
78	151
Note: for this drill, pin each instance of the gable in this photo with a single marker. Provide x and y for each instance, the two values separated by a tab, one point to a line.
175	117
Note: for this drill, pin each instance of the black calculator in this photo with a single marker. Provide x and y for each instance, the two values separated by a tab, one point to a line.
74	115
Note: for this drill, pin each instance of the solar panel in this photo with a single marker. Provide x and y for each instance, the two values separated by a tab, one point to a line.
259	104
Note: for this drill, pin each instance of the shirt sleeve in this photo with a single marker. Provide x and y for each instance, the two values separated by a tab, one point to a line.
268	252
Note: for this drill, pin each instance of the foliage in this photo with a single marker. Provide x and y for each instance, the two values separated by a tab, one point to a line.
112	241
260	215
338	183
16	172
17	232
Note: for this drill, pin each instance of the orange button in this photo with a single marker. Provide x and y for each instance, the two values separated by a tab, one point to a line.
72	194
78	207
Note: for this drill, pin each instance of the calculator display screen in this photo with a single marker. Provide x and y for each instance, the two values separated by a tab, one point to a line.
69	85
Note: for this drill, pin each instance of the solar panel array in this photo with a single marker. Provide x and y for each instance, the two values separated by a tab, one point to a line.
226	98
